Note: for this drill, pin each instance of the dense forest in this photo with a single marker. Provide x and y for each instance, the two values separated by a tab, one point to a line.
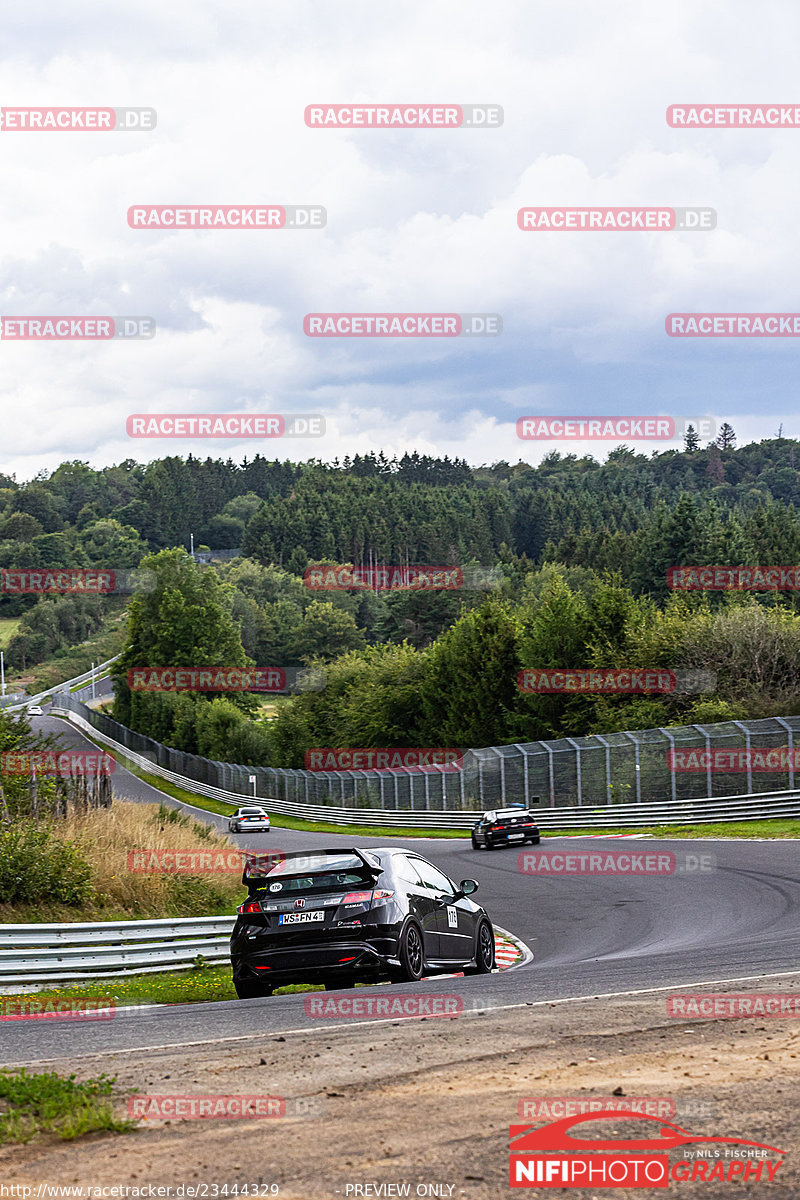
579	549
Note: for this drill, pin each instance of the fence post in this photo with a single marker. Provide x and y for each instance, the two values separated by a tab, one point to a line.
609	792
526	788
707	737
671	741
572	742
746	732
551	773
638	779
790	747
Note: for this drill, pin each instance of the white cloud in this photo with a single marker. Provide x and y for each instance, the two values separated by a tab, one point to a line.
417	220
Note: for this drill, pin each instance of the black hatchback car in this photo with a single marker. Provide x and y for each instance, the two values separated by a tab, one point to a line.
505	827
344	916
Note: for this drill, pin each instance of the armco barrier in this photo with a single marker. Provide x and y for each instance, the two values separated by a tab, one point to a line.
704	810
84	950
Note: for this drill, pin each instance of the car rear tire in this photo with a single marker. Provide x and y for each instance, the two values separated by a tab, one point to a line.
475	843
251	989
410	953
484	953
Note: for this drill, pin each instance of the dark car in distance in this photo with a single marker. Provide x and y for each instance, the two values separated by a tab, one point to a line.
505	827
340	917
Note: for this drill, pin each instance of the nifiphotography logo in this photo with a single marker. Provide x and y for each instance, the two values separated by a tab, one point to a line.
552	1156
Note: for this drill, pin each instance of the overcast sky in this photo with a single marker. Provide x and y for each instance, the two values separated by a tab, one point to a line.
418	221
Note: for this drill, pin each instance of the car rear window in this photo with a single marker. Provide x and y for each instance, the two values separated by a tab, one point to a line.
329	881
312	872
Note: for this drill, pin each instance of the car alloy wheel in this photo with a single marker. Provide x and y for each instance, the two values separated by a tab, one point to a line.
484	955
410	955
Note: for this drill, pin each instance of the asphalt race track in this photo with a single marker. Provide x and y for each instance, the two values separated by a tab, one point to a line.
590	935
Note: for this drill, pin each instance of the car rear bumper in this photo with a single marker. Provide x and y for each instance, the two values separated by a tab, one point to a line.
312	963
505	839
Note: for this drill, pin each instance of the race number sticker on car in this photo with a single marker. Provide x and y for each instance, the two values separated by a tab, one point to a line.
295	917
276	887
452	917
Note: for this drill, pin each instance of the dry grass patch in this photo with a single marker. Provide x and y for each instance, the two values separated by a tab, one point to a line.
106	837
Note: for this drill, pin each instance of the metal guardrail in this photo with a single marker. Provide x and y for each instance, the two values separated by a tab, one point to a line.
88	950
704	810
66	686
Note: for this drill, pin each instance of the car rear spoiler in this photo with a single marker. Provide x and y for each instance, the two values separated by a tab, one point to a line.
271	858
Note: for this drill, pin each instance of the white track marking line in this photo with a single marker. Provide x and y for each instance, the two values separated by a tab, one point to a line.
329	1030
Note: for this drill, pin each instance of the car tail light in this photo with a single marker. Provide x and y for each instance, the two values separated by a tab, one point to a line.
381	894
357	898
250	906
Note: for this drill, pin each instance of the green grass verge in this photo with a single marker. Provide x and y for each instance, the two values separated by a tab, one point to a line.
56	1104
780	827
203	984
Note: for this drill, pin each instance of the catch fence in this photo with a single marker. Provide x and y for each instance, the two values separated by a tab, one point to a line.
600	771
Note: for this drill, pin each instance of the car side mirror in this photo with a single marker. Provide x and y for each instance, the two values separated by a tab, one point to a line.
468	886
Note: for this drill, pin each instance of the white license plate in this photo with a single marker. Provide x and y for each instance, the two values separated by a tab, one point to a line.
296	918
518	837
